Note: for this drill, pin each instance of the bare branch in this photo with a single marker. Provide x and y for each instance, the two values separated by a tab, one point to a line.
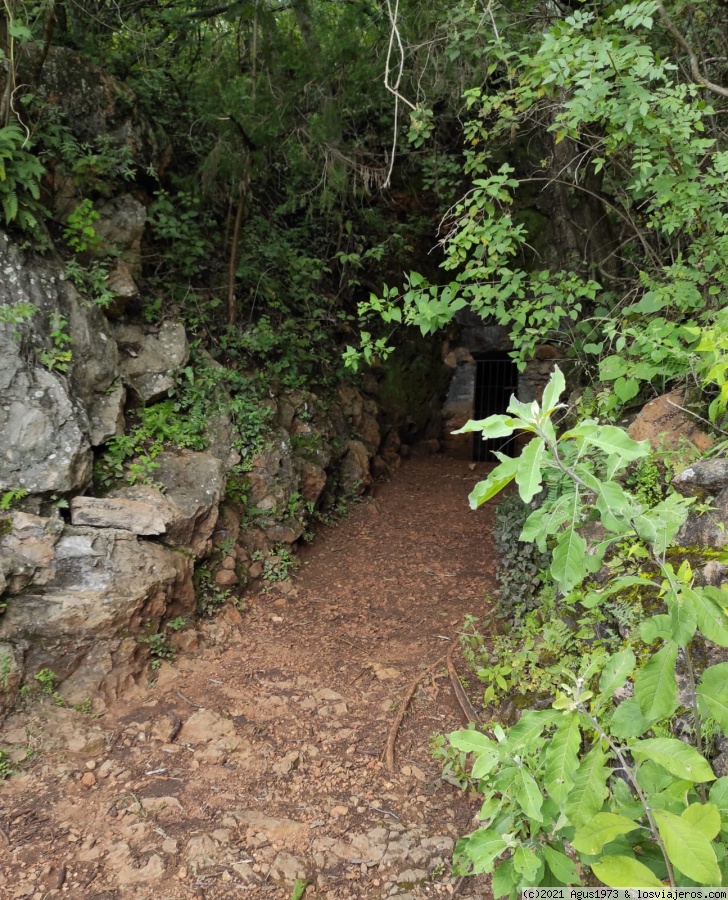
698	76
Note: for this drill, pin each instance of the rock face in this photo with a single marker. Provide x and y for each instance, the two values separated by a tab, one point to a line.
709	476
665	424
89	594
150	357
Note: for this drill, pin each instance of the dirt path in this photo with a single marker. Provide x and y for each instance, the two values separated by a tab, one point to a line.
257	759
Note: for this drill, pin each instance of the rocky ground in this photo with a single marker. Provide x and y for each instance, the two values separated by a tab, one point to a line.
256	758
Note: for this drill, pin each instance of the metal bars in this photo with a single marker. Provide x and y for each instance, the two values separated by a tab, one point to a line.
496	379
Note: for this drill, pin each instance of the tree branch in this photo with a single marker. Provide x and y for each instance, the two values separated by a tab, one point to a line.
698	76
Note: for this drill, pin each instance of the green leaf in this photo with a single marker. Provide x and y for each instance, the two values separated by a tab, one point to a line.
562	758
527	863
688	849
553	390
719	795
705	817
712	621
618	669
612	440
528	795
623	872
482	848
530	726
568	566
586	797
528	476
683	621
655	686
601	830
472	741
562	868
504	879
678	758
656	627
628	720
492	427
713	694
501	476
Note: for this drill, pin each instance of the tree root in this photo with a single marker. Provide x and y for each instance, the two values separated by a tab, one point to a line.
465	705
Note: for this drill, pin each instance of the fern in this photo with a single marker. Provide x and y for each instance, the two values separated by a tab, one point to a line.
20	174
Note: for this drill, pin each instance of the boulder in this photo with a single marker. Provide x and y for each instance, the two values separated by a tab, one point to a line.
664	423
135	516
312	480
45	446
151	357
193	484
354	476
28	550
102	588
706	477
706	529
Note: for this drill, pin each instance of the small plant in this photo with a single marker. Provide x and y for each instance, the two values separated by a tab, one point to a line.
177	624
59	356
79	233
278	565
159	648
46	680
210	596
91	281
6	767
10	498
6	667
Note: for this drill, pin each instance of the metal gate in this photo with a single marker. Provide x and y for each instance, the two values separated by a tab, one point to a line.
496	379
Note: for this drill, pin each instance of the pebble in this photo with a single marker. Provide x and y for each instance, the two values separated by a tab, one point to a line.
89	779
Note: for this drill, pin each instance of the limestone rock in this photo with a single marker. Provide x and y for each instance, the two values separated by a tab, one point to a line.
47	406
354	476
706	529
664	424
103	586
150	357
708	476
111	512
45	447
27	548
194	484
121	227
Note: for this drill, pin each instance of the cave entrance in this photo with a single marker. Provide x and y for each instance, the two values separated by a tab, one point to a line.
496	379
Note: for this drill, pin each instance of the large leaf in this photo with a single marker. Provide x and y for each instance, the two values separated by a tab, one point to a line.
616	672
678	758
530	727
471	741
500	477
548	519
562	758
612	440
586	797
705	817
527	863
602	829
569	564
623	872
528	795
528	476
719	795
628	720
553	390
713	694
683	620
504	879
562	868
482	848
712	621
688	849
492	427
655	686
